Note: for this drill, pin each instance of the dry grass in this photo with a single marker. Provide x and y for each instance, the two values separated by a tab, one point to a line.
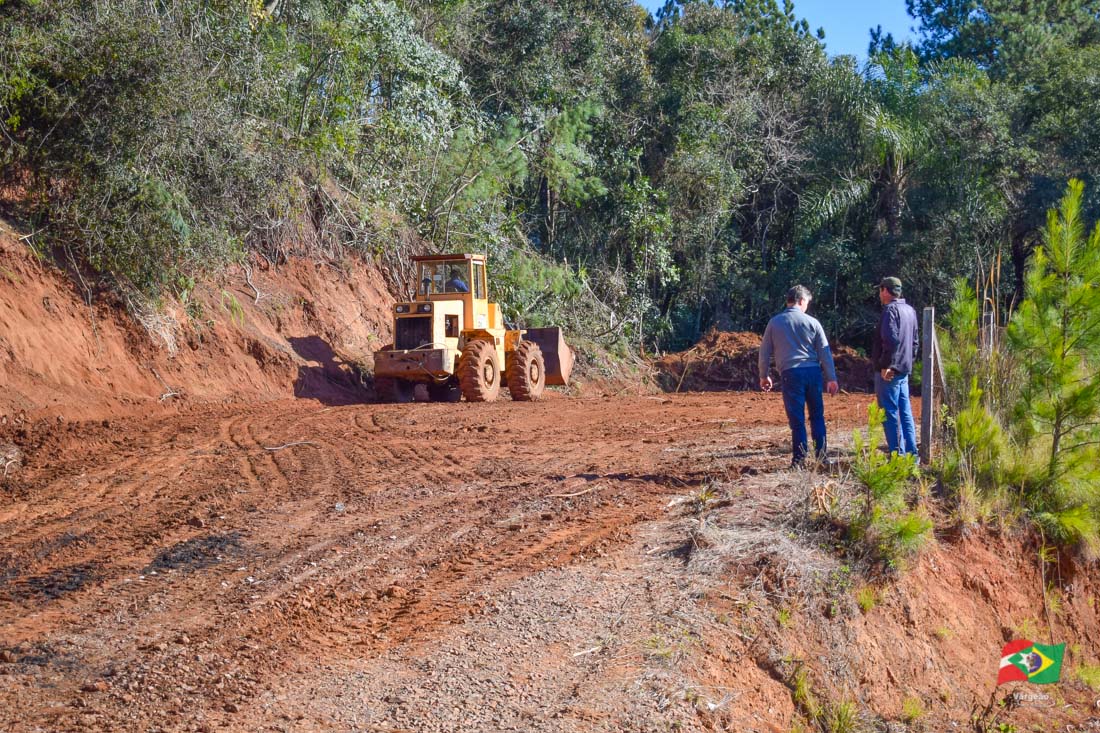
772	546
735	542
162	326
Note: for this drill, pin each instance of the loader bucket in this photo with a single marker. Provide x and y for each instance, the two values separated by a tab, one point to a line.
557	355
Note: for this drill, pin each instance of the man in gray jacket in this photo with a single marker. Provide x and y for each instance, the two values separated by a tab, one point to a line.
801	354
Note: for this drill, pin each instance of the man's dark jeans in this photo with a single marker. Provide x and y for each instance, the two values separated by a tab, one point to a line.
899	426
802	388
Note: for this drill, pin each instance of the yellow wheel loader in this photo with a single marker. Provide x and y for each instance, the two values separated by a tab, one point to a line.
453	341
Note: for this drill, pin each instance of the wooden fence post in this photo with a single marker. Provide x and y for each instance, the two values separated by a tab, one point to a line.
927	384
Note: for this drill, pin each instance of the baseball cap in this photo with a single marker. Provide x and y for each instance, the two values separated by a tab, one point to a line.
890	283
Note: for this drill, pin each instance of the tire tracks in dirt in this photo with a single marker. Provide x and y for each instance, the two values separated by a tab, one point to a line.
392	524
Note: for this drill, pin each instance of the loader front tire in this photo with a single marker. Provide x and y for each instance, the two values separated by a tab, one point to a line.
526	372
479	372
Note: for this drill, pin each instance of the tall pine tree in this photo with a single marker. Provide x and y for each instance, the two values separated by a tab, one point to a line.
1055	334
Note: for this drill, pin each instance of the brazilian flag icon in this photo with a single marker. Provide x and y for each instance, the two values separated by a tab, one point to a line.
1024	661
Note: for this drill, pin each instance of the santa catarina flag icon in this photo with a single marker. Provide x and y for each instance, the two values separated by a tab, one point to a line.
1023	661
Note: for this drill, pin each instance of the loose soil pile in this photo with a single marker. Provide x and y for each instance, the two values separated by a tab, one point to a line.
725	360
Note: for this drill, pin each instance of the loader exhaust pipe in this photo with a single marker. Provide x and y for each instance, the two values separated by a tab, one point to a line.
556	354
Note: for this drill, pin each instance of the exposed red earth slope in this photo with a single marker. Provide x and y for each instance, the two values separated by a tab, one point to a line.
61	356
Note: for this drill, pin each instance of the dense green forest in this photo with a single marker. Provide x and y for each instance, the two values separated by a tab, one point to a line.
636	178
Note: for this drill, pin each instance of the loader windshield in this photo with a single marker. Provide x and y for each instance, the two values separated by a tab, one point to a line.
445	276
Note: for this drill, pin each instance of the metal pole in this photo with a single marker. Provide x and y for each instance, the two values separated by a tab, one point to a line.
927	384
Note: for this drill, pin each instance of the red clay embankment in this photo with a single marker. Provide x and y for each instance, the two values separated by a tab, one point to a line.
287	336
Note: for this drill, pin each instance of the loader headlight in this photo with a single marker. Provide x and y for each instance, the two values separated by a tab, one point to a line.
402	309
424	308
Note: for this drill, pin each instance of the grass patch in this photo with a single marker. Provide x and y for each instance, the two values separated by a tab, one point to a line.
1089	674
802	693
1028	629
783	618
1055	604
867	598
657	647
233	307
840	717
843	718
912	709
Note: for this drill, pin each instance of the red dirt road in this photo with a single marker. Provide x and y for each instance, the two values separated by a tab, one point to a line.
172	572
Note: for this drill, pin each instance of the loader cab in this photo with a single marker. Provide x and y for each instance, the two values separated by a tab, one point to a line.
454	280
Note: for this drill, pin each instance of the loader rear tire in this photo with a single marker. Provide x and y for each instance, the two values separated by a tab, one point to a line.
479	372
526	372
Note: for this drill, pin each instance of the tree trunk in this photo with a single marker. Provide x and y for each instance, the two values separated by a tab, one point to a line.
545	234
1021	250
1055	446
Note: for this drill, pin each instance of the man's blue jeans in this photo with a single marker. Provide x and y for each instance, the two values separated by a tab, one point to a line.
893	398
802	388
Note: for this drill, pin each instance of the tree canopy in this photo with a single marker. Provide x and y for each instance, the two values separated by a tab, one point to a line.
664	174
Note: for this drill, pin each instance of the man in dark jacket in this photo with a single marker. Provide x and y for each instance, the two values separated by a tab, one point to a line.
893	351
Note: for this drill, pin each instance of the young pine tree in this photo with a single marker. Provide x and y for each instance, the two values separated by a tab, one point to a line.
1055	335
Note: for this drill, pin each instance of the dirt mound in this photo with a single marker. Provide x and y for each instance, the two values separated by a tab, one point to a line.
726	360
854	370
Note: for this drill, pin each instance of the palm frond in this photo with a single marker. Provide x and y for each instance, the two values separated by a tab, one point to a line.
824	205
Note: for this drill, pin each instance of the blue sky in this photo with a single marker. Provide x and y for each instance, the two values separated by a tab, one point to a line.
847	23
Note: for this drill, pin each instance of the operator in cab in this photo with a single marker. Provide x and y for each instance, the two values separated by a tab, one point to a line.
456	284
